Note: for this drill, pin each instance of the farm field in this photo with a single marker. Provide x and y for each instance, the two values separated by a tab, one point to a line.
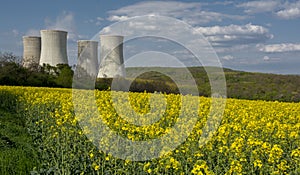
254	137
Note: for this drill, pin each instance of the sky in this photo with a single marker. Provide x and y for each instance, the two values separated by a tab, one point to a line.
256	36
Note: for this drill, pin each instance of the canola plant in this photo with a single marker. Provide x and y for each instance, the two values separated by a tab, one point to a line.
254	137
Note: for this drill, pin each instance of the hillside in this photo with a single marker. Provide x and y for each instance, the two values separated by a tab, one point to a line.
243	85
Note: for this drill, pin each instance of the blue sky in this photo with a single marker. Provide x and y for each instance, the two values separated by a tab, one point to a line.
259	36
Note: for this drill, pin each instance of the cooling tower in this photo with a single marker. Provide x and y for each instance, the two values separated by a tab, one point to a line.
54	47
88	56
31	51
111	57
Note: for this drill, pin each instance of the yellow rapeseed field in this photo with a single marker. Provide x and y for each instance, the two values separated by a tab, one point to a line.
254	137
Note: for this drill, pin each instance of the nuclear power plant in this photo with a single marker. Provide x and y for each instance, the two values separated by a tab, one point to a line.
54	47
88	56
51	48
111	57
32	50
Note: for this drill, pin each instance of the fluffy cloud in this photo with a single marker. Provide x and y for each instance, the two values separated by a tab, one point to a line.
227	57
157	7
97	21
190	12
259	6
235	34
118	18
284	47
66	22
266	58
291	11
224	38
232	48
282	9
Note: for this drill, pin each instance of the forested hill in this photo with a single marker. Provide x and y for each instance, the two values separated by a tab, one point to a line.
245	85
242	85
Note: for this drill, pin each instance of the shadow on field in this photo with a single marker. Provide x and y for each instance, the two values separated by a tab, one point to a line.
17	155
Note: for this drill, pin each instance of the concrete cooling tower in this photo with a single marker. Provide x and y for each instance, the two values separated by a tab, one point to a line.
54	47
88	56
31	51
111	57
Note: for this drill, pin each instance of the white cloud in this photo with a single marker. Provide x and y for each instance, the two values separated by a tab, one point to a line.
266	58
233	29
233	48
66	22
271	59
284	47
282	9
291	11
156	7
227	57
97	21
141	25
99	18
189	12
82	36
259	6
118	18
235	34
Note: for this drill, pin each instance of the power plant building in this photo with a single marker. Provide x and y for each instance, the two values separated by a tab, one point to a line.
111	57
54	47
88	56
31	50
51	48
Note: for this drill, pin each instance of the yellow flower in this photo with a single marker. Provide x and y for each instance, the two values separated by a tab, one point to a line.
146	166
91	155
257	163
275	154
236	167
97	167
296	154
200	167
149	170
283	166
293	135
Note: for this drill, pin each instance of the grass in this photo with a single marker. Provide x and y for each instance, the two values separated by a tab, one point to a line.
17	154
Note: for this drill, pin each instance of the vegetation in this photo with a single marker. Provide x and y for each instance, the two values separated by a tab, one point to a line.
241	85
17	152
41	132
255	137
12	73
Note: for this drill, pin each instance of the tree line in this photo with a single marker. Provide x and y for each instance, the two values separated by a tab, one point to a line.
241	85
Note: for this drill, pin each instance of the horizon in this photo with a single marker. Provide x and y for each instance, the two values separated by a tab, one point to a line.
215	67
250	36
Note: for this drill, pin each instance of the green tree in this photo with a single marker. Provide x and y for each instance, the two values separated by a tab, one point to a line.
64	75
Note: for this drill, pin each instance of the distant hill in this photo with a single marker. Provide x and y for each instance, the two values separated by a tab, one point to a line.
243	85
